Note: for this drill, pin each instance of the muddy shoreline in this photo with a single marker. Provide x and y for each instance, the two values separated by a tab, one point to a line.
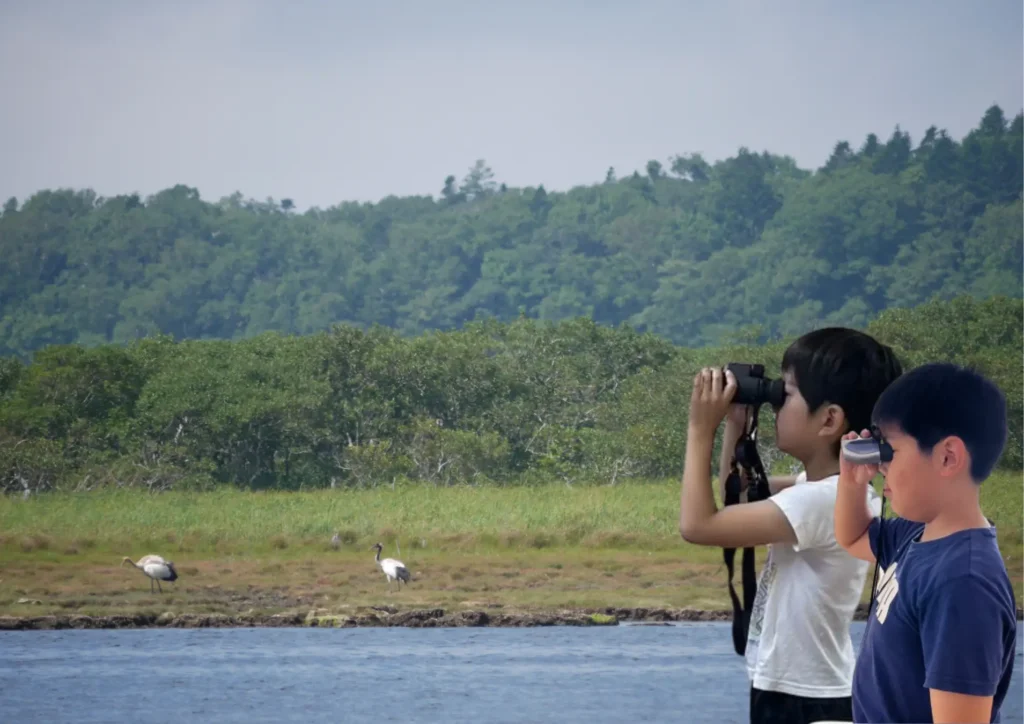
382	616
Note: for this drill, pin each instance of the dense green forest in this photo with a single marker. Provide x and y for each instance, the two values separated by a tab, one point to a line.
689	251
499	403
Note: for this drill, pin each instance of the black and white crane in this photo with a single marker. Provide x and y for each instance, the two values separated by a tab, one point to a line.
156	568
394	570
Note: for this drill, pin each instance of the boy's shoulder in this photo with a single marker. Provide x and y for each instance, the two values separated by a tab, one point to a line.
967	560
819	494
809	507
961	576
972	552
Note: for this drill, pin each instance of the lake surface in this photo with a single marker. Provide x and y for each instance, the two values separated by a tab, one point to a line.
681	673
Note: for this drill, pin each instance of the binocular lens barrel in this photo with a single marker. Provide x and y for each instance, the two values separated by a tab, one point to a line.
866	451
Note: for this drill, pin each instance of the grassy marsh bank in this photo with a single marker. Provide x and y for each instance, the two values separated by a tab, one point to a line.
540	548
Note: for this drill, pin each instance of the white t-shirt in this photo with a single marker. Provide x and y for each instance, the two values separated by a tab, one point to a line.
799	638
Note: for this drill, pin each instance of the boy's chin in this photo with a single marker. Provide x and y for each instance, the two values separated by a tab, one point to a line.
784	448
901	511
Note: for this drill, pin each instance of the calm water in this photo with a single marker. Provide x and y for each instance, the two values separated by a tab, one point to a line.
684	672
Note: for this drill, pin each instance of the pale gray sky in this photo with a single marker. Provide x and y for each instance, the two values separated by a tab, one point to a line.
324	101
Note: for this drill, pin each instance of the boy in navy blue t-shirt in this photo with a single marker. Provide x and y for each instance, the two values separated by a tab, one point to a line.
941	635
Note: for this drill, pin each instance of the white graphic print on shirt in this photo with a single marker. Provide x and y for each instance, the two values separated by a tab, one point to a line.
885	592
764	585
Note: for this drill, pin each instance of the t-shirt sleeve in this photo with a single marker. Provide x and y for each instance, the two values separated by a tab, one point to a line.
963	636
888	536
809	510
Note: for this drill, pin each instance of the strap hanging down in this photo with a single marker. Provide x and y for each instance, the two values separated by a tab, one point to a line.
747	459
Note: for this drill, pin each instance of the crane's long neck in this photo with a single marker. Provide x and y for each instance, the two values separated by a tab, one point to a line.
378	556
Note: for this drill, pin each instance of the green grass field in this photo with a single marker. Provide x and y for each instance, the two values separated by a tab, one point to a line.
543	547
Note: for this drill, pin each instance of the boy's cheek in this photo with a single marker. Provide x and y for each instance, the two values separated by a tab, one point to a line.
780	432
782	427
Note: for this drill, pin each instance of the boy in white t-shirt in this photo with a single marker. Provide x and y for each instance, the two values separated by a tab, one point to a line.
799	654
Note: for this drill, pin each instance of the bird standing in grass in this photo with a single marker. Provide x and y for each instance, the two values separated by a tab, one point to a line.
394	570
156	568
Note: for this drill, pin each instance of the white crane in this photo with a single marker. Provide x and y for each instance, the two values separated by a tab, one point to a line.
394	570
156	568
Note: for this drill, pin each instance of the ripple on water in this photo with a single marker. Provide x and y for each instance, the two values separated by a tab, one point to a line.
684	671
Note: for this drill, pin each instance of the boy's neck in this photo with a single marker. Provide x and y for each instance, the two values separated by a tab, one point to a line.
959	512
821	465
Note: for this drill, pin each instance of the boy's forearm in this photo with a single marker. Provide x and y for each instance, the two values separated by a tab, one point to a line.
696	501
729	437
852	515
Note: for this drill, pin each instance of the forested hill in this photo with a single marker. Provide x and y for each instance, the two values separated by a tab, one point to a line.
687	250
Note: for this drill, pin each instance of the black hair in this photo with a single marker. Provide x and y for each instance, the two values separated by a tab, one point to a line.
939	400
843	367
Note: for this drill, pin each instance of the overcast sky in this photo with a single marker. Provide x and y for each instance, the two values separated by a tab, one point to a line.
323	101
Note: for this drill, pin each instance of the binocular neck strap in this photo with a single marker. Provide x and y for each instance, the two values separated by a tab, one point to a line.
745	457
874	578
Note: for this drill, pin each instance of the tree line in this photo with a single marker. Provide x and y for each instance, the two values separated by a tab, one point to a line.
506	403
687	250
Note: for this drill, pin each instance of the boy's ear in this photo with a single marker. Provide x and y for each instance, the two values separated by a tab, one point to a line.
833	421
950	456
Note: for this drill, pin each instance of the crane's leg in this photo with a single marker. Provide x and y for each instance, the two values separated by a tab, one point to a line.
151	586
158	587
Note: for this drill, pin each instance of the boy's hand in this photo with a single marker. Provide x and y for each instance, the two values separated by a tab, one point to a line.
850	472
736	418
710	399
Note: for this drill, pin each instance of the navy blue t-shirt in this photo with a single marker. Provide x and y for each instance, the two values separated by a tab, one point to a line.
944	617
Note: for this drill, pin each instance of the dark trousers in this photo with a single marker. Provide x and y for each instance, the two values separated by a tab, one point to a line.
773	707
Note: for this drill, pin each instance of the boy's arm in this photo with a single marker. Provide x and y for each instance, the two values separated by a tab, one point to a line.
964	627
734	424
737	526
852	518
950	707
